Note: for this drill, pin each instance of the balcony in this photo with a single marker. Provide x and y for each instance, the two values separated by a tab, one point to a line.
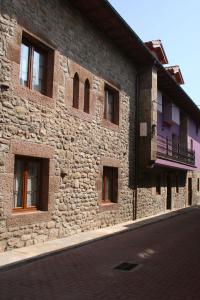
173	151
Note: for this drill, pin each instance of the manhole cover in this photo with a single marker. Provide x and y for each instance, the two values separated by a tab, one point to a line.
126	266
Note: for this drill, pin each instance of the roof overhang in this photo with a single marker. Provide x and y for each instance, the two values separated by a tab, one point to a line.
157	49
107	20
175	71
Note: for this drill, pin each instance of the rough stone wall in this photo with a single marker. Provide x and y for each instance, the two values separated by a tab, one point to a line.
195	193
149	203
77	141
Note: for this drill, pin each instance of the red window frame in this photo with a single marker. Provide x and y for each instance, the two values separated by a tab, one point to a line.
115	109
48	54
26	161
110	175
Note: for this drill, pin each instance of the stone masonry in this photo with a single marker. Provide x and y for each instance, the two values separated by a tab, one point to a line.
77	144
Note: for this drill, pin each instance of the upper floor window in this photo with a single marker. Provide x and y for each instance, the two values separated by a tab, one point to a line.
87	96
33	65
191	144
159	102
111	105
76	91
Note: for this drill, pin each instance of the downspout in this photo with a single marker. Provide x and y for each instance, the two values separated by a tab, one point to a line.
136	146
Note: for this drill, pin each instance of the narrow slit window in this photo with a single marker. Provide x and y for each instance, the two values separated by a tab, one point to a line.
87	96
76	91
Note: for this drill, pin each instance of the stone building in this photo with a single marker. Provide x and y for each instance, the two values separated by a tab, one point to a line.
78	121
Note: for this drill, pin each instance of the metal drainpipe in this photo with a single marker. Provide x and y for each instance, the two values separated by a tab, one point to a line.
136	158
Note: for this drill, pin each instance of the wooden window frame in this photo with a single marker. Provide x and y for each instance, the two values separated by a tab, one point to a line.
34	45
114	171
115	112
40	205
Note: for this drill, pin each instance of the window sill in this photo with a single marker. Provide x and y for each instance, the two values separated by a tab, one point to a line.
22	218
104	206
34	96
76	112
109	125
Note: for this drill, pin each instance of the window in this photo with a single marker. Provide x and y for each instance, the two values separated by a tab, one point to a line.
87	96
177	183
191	144
34	62
76	91
30	183
158	184
197	128
109	185
159	102
198	185
111	105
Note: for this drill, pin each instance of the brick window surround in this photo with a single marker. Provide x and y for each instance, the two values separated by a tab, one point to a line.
31	181
44	153
36	62
47	96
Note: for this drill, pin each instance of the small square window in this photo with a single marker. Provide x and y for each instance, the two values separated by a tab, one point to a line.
30	183
36	65
109	185
111	105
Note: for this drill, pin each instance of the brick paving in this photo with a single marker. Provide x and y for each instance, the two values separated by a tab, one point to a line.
167	254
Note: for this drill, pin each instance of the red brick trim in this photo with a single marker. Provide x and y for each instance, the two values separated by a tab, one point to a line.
31	149
108	162
31	95
19	147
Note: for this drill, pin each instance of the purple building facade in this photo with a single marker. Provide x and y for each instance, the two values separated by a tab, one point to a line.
169	153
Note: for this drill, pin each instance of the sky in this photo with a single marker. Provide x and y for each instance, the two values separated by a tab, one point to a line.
177	24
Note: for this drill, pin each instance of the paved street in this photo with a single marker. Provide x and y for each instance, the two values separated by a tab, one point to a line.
167	254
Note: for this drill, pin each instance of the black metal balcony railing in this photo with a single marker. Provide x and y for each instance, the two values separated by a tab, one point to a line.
174	151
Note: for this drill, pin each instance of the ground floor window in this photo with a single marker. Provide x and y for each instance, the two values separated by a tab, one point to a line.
29	183
109	184
177	183
158	184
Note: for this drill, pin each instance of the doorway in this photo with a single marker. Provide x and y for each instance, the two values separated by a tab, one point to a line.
169	192
189	191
